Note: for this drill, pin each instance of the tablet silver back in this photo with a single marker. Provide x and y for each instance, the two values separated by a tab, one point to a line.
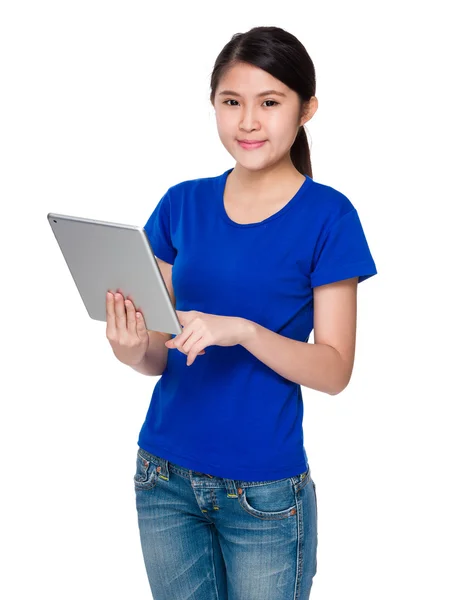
103	256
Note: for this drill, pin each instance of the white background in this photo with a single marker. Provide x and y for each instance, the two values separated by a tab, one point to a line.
104	105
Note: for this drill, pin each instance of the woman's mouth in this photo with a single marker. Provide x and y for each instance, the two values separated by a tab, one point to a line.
251	145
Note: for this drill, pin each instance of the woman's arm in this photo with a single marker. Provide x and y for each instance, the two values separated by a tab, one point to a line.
327	364
155	359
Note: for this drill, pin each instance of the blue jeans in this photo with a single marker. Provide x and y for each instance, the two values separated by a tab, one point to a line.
208	538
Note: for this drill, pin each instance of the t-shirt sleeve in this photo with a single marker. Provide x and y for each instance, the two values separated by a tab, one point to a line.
343	252
158	230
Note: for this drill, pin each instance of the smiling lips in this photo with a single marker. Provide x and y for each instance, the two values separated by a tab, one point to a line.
251	144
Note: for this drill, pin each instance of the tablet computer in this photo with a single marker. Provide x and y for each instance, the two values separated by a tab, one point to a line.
103	256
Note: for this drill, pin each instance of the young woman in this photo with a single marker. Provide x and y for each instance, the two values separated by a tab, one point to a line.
257	256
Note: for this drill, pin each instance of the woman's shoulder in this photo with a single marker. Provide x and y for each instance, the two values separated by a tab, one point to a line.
330	200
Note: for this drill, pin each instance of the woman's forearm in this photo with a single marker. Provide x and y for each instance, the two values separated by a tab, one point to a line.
156	356
316	366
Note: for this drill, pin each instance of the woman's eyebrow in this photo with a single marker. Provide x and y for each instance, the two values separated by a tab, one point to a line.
265	93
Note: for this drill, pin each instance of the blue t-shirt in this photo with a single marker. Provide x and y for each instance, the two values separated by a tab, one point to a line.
228	414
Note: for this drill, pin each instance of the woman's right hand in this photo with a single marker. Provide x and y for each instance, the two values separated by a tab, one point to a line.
126	333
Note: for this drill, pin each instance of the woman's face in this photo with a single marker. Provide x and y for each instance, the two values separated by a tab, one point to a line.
249	114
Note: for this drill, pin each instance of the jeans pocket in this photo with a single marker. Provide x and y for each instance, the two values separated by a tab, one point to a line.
272	500
146	475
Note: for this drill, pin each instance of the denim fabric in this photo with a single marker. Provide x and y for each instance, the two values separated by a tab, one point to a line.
208	538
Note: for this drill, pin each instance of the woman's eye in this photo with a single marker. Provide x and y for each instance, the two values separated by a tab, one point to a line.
231	100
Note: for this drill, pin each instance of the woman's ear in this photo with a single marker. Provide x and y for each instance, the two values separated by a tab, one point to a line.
309	108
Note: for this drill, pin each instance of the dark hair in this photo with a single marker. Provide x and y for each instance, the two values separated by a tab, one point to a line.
283	56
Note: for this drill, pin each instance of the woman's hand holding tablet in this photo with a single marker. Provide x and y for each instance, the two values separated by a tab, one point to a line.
125	329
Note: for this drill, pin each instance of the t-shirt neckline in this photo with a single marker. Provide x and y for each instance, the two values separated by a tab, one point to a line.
284	209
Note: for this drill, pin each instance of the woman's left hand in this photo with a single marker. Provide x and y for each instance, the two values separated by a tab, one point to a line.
202	329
